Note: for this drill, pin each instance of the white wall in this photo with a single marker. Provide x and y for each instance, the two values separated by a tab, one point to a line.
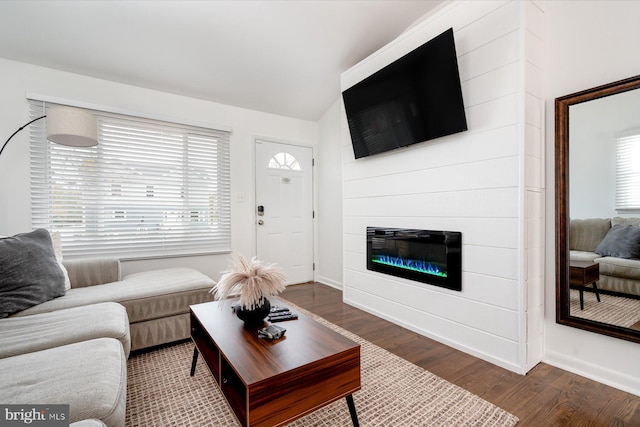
590	43
486	183
592	160
18	79
329	209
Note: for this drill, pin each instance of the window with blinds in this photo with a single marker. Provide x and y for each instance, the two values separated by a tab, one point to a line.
628	171
148	189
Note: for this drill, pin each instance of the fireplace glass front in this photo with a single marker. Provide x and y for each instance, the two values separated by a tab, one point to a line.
426	256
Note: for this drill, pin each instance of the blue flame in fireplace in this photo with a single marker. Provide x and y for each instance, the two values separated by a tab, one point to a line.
409	264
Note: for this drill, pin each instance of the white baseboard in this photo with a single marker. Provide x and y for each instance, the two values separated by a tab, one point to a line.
598	373
329	282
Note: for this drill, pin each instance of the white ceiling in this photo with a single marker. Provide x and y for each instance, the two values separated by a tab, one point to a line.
281	57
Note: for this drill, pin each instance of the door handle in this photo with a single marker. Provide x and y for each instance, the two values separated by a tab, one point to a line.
260	222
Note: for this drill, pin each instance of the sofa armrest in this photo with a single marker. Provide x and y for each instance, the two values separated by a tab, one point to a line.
89	272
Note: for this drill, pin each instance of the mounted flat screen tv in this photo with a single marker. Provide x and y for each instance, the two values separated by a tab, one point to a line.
416	98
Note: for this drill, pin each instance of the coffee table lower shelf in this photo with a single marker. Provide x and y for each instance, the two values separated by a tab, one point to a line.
279	398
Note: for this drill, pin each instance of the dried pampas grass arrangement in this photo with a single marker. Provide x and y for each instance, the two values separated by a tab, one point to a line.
252	280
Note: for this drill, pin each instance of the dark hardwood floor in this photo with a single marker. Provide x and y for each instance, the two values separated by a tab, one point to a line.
546	396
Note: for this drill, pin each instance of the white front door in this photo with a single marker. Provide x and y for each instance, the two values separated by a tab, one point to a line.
284	208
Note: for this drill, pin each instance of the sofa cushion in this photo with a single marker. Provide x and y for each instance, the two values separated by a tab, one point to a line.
91	272
147	295
618	220
89	376
582	256
586	234
622	241
19	335
29	271
619	267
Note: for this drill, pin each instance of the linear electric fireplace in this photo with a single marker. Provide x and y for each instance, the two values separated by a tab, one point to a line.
426	256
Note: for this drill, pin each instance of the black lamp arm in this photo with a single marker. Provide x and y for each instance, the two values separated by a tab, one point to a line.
19	129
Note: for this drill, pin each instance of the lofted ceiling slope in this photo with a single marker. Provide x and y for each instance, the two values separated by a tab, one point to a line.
279	57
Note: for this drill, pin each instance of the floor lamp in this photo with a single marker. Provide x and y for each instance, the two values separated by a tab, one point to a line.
67	126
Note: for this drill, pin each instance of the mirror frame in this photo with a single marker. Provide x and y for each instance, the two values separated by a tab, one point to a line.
562	105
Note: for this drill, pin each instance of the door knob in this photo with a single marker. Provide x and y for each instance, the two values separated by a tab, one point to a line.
260	222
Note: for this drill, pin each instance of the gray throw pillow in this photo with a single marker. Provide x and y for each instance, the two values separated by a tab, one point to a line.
29	272
622	241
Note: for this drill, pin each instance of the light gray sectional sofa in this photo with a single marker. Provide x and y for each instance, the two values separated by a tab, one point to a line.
71	347
75	357
613	243
157	301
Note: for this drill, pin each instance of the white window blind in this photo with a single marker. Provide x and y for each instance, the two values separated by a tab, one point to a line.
149	189
628	171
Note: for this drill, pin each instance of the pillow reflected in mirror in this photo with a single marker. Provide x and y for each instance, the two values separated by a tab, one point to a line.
622	241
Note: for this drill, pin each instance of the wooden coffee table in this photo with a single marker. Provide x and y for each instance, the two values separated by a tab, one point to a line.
582	273
270	383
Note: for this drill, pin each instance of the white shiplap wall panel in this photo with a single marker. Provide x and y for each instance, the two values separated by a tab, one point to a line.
533	76
489	318
534	245
491	144
492	203
494	173
491	26
353	242
498	53
536	297
495	84
490	261
534	172
493	348
473	182
491	290
535	20
363	281
534	49
495	114
533	114
533	136
496	232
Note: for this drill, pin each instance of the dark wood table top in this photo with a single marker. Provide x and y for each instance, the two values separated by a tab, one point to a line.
581	264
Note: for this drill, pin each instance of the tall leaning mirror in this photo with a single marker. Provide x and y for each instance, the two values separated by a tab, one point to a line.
597	154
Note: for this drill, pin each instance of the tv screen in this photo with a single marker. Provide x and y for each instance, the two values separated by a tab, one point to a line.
416	98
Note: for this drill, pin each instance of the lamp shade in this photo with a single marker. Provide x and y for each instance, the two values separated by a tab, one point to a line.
71	126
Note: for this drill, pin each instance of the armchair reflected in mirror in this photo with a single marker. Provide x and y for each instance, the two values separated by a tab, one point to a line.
597	155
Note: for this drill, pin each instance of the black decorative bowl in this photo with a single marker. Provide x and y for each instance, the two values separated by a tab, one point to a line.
256	315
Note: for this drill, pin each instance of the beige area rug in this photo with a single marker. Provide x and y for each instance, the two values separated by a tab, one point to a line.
611	309
394	392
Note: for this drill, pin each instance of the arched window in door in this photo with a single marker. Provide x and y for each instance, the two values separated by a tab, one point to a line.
285	161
